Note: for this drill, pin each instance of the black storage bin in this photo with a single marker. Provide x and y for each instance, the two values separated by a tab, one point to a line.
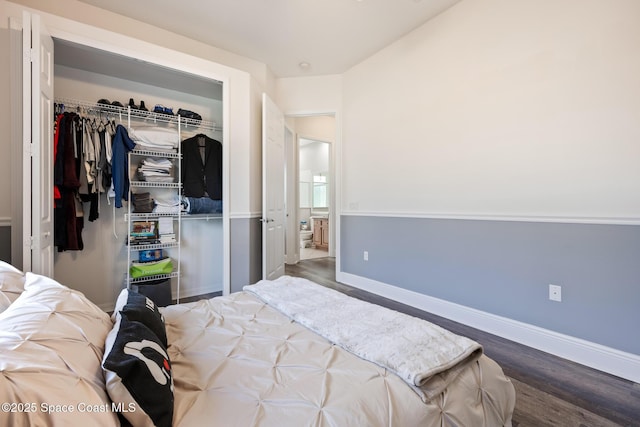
158	291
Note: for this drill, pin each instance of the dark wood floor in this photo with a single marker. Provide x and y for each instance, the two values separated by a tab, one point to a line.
550	391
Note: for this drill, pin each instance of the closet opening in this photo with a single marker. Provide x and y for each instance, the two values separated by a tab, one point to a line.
142	96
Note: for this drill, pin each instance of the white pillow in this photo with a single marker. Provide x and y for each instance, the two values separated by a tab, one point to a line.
52	343
11	284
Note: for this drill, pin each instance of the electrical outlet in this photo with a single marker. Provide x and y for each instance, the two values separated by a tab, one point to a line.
555	293
365	256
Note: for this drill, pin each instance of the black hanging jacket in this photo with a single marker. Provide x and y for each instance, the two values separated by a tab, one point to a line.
202	176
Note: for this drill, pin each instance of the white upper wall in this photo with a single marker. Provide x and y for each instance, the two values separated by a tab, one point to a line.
309	95
320	128
501	108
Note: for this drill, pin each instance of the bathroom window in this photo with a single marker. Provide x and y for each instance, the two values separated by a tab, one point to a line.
320	191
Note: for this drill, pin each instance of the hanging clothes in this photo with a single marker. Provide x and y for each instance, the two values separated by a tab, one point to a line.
89	192
68	216
56	173
81	172
101	163
122	144
110	131
201	167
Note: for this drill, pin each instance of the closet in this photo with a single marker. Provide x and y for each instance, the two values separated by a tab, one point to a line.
84	75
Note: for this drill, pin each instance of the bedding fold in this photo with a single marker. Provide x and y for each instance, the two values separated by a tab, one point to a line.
424	355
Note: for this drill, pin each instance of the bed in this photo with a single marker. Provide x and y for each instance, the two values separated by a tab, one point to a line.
287	352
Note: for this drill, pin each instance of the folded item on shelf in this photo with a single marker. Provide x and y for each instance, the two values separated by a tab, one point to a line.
142	202
168	204
150	255
165	226
201	205
167	238
155	170
154	163
167	200
153	138
152	268
167	179
166	210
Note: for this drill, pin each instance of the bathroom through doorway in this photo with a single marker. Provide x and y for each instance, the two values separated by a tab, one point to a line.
310	184
314	203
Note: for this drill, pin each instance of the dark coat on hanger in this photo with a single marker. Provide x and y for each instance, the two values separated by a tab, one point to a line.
121	145
202	173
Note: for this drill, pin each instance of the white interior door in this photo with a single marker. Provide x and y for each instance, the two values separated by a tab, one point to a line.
292	238
273	189
37	82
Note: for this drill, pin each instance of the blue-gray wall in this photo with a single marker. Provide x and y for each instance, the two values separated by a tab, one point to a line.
246	252
505	267
5	244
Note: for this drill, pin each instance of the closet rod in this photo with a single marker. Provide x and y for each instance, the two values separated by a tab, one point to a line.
93	107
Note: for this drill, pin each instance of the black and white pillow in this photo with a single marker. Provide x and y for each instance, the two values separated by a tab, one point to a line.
140	308
138	373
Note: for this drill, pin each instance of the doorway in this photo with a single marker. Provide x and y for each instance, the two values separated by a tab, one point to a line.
310	187
313	201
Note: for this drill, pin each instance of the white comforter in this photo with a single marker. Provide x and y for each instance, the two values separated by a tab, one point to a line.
414	349
239	362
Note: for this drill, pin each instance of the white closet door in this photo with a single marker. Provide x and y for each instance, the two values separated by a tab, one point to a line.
37	82
273	202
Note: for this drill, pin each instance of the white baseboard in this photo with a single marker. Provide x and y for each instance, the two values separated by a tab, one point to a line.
606	359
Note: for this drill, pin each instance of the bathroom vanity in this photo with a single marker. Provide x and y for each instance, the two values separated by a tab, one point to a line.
321	232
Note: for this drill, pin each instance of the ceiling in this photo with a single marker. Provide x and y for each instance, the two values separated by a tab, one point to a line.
330	36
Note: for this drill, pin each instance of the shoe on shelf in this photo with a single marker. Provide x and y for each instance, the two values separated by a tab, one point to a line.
142	106
117	104
189	114
161	109
132	105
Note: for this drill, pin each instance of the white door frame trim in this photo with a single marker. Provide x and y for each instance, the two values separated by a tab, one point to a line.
99	38
335	162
